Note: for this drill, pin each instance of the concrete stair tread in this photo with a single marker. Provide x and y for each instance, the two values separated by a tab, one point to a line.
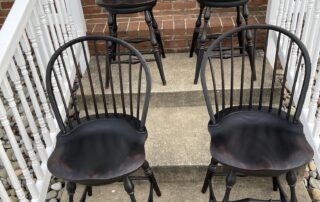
179	71
180	90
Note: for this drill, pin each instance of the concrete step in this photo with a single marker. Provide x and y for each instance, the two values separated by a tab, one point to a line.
180	90
247	187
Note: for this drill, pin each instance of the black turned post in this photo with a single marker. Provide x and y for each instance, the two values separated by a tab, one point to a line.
115	34
112	24
87	190
111	48
157	33
207	181
155	46
210	172
149	173
129	187
239	23
249	46
203	39
292	179
196	31
275	184
230	181
71	189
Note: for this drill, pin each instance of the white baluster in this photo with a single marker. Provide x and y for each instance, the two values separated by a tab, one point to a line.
285	13
308	22
57	39
3	193
301	18
8	94
40	63
71	20
42	45
61	19
290	13
297	7
316	127
47	20
288	23
67	34
17	152
316	89
12	176
293	27
314	30
295	50
14	75
280	12
44	131
56	21
305	37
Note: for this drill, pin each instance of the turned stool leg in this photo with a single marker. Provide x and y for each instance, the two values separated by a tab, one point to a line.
157	33
275	184
207	181
292	179
111	47
196	31
203	39
249	46
239	23
230	181
71	189
129	187
155	46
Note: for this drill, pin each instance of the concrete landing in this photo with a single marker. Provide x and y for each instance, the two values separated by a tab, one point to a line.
189	191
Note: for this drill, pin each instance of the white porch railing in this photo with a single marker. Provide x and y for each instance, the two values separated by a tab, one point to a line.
33	30
301	17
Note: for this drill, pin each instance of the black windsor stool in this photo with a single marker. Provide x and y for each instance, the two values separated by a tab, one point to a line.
205	10
257	132
103	142
115	7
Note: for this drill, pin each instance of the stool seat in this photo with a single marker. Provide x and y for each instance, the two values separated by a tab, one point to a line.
126	6
223	3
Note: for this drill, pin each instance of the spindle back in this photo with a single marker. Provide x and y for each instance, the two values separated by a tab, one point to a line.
106	84
232	78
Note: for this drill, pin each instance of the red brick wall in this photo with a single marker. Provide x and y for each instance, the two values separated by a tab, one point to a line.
174	7
5	6
176	19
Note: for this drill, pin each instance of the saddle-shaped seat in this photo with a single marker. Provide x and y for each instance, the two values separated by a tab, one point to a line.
259	142
99	151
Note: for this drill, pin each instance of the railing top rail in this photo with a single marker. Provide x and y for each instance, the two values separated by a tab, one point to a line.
12	31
